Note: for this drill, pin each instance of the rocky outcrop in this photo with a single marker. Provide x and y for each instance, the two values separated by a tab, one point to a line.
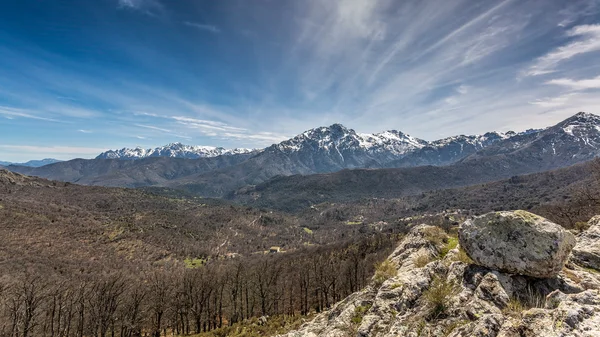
587	250
517	242
448	295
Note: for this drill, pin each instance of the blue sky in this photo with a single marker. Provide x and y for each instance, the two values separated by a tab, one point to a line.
79	77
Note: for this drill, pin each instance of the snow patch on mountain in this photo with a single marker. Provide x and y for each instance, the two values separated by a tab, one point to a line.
340	138
173	150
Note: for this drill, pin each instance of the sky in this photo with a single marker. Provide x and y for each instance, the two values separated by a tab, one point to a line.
80	77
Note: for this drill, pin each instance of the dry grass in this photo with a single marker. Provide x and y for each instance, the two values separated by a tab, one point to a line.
421	259
529	299
437	297
435	235
384	271
463	257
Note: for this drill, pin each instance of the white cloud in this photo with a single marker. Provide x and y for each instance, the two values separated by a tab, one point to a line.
138	4
84	131
153	128
205	124
463	89
552	102
592	83
210	28
589	41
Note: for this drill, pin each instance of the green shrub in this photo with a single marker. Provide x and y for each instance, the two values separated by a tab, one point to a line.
359	313
451	243
193	263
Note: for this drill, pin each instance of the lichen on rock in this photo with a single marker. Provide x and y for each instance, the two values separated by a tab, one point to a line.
517	242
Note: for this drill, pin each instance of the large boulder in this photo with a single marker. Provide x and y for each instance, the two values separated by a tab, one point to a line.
517	242
587	251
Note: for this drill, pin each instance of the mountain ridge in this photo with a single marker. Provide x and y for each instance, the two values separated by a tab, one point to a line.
173	150
324	150
32	163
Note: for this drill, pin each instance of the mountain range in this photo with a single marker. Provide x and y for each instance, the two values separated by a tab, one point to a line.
32	163
315	163
173	150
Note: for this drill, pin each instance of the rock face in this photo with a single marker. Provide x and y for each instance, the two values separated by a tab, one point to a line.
472	300
587	250
517	242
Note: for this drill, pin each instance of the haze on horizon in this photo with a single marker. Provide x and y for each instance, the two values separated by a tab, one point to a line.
81	77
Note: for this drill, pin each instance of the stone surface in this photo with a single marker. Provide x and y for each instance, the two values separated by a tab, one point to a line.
481	304
517	242
587	250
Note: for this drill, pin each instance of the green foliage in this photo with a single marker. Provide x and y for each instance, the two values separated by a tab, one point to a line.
193	263
359	313
451	243
384	271
437	297
307	230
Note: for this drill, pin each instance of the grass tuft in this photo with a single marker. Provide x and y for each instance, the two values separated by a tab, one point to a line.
437	297
384	271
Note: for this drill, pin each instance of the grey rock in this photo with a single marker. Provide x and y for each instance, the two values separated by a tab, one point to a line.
517	242
587	251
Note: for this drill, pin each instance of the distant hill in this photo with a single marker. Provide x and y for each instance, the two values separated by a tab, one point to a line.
561	195
89	228
32	163
128	173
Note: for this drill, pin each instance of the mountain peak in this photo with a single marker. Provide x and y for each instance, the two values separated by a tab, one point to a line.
582	117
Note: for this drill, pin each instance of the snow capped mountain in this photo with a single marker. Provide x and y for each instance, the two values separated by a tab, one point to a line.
581	125
327	149
338	137
173	150
476	141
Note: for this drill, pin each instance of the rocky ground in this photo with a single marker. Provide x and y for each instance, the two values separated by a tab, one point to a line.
436	289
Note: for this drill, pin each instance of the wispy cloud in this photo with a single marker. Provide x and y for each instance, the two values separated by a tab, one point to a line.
11	113
209	28
151	127
153	8
429	68
592	83
587	40
84	131
552	102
